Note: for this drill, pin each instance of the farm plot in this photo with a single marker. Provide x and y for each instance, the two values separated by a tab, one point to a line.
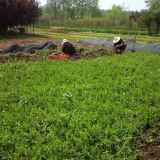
86	109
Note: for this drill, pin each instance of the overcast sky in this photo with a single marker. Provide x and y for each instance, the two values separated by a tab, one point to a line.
107	4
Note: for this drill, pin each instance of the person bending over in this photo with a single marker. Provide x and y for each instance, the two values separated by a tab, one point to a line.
119	45
68	48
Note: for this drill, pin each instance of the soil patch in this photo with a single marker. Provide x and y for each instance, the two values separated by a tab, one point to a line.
82	53
20	57
151	153
23	42
151	144
85	51
35	40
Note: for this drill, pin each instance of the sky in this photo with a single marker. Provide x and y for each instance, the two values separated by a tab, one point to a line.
128	4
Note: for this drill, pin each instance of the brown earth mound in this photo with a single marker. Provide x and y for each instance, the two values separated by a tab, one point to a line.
151	144
20	57
7	43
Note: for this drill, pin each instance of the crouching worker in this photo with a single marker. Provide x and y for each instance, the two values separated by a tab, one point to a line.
68	48
119	45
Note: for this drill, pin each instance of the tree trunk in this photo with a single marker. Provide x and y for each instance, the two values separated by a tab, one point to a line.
33	28
157	28
55	12
3	30
149	28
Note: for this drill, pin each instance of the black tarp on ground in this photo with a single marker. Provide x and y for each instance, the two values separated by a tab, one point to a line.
109	44
30	48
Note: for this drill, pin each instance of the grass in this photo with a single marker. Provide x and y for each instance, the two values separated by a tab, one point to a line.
114	31
86	109
60	33
76	36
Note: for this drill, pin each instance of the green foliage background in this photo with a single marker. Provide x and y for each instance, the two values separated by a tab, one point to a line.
87	14
82	109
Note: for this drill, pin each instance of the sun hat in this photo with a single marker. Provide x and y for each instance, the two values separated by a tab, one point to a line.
116	39
64	41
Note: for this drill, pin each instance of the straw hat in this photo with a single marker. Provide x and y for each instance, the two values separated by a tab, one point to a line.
64	41
116	39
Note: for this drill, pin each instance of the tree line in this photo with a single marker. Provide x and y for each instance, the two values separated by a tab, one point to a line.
71	8
151	17
18	13
86	13
78	13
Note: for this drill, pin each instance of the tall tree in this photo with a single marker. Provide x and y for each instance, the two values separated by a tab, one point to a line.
84	6
56	5
68	8
18	12
153	4
73	8
152	15
93	8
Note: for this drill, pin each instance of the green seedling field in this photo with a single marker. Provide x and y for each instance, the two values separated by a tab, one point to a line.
85	109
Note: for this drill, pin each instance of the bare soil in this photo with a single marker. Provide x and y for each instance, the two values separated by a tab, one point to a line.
34	40
151	150
20	57
151	153
4	44
7	43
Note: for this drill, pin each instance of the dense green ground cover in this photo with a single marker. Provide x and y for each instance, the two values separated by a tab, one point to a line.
86	109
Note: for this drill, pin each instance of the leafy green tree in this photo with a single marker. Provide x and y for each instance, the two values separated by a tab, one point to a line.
152	15
48	11
153	4
68	8
117	16
93	9
156	15
73	8
147	19
56	5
